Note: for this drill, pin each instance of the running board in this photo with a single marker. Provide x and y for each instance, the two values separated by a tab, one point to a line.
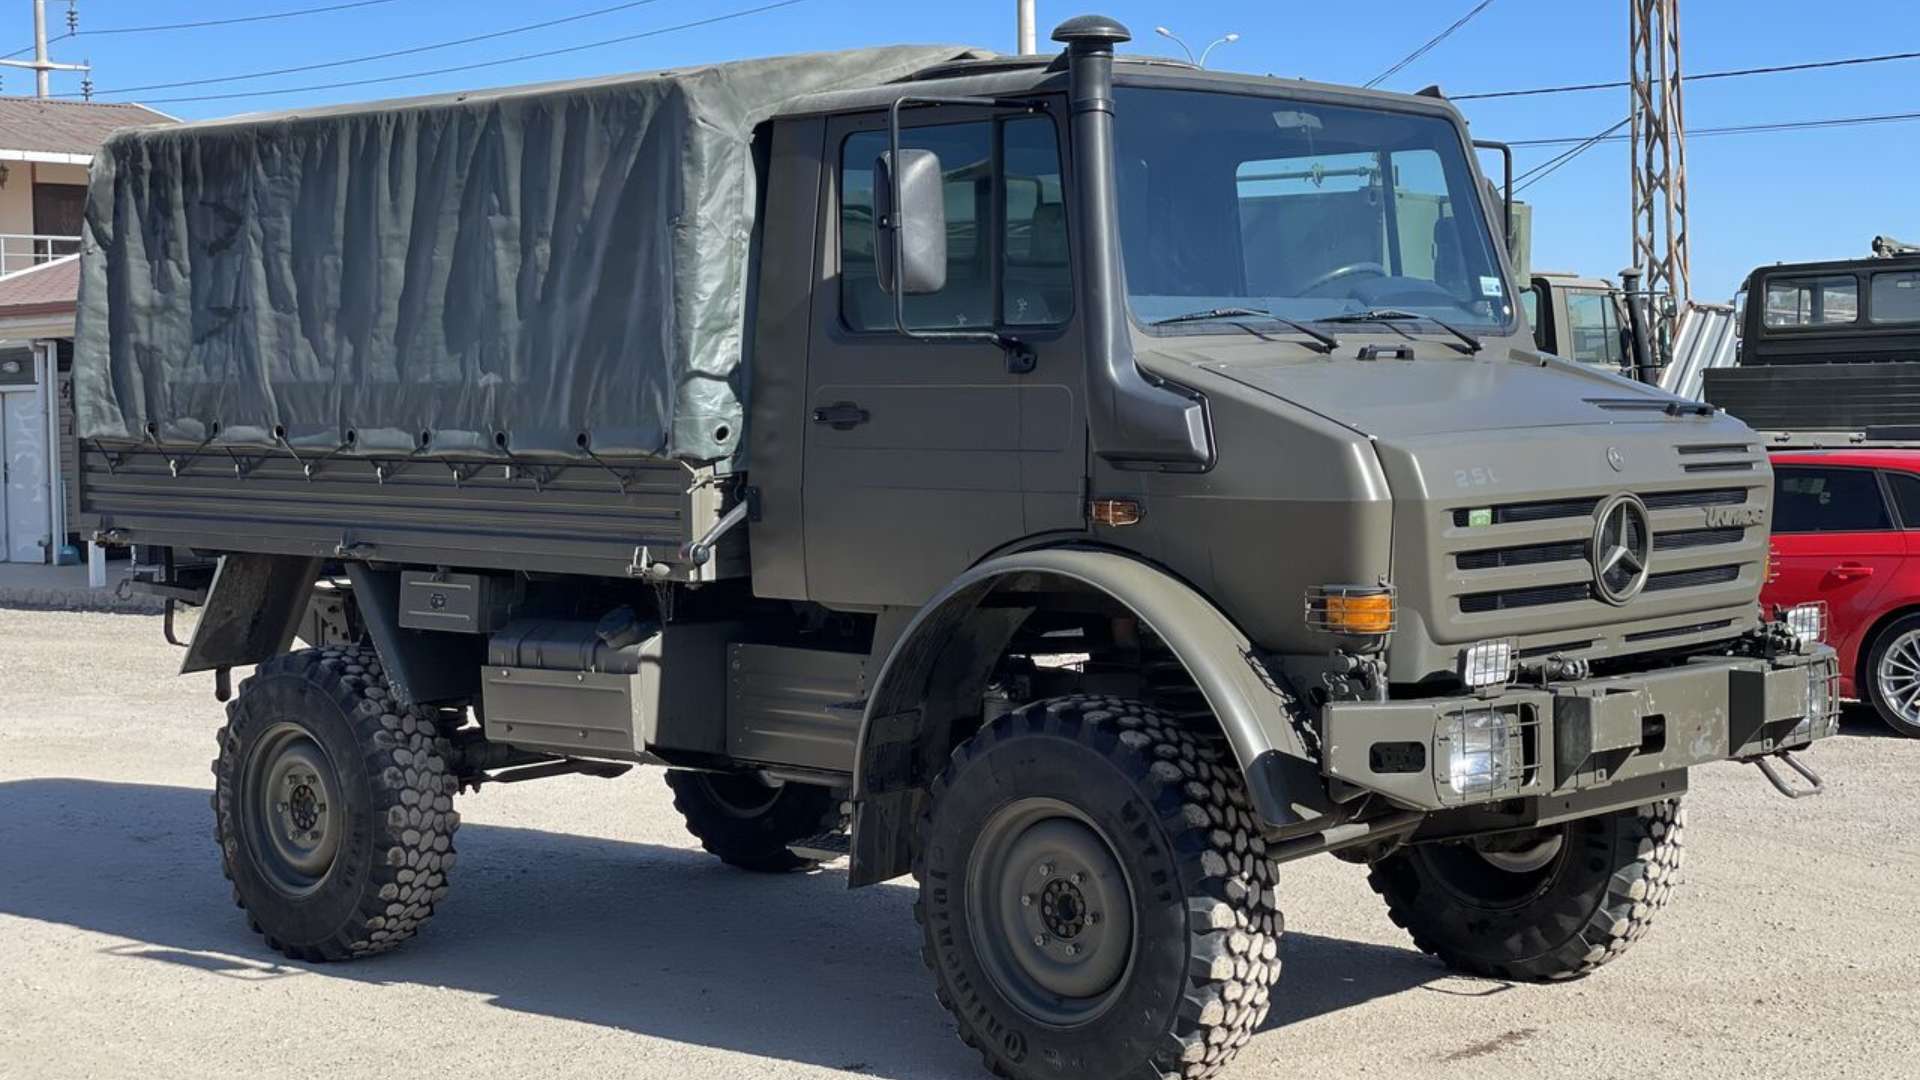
1782	785
825	848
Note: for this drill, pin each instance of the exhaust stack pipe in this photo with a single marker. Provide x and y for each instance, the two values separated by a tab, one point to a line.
1135	423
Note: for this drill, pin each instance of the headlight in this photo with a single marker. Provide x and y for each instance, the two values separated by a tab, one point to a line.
1482	751
1487	663
1808	622
1821	706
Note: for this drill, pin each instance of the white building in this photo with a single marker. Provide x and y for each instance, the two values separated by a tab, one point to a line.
45	148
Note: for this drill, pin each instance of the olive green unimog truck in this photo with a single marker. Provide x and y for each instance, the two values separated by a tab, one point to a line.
1083	484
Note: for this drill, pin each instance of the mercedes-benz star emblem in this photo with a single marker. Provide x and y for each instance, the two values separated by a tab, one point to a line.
1622	549
1616	459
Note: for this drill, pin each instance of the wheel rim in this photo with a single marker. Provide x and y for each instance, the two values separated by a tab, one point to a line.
740	795
297	818
1051	911
1497	875
1898	675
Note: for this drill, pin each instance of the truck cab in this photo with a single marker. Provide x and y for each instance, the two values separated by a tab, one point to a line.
1582	319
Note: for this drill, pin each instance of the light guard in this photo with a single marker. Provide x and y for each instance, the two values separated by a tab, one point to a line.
1488	663
1808	622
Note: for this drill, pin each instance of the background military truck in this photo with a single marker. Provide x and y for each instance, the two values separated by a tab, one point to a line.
1081	485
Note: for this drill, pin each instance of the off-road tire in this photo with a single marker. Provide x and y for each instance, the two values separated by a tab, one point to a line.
1870	675
1174	812
1599	896
754	838
389	772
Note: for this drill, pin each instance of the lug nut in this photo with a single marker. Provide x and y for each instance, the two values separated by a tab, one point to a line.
1040	940
1026	900
1046	869
1077	878
1093	918
1073	950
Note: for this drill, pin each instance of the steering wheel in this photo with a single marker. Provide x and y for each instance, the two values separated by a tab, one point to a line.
1348	270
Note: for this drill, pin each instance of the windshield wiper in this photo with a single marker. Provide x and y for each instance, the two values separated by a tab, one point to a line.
1327	341
1469	344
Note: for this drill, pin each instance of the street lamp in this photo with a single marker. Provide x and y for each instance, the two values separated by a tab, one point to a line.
1204	53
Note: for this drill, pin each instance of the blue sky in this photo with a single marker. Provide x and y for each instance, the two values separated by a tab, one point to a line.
1754	198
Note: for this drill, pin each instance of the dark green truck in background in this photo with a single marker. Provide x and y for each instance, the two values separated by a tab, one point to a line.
1082	485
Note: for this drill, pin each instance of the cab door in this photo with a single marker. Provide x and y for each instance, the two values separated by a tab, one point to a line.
1834	540
923	456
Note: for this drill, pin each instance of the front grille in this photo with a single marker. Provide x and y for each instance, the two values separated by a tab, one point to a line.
1569	553
1696	538
1681	500
1692	579
1533	555
1509	599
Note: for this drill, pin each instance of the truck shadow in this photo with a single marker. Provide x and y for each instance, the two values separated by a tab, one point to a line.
655	940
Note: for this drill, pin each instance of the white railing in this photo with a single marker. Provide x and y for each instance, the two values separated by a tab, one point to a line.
23	251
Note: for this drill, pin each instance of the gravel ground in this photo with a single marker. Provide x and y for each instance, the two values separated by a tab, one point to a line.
587	935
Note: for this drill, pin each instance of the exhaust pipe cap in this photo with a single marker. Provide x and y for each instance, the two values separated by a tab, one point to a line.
1091	32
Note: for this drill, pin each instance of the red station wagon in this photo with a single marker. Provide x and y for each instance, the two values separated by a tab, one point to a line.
1846	531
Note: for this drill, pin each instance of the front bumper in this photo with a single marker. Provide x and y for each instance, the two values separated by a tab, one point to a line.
1581	736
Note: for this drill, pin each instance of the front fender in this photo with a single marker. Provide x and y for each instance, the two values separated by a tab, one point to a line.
940	663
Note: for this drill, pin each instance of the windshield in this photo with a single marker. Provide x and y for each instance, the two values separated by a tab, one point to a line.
1304	210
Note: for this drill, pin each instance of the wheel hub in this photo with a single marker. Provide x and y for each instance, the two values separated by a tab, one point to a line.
297	821
1050	911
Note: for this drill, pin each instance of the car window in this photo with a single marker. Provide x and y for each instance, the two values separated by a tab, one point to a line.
1813	301
1033	289
1906	497
1593	328
1896	297
1814	500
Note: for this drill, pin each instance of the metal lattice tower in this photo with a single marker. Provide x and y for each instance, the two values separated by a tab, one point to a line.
1659	142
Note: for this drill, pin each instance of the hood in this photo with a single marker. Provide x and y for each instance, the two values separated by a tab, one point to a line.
1442	394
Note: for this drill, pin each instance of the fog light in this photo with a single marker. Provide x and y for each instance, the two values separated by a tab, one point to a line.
1820	703
1808	622
1481	751
1487	663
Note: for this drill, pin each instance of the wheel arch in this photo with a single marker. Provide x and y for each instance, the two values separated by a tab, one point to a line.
940	663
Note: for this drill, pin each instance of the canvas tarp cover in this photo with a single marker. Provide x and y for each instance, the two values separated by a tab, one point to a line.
555	270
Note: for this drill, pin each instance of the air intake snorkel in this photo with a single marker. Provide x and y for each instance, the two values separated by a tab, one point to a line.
1135	423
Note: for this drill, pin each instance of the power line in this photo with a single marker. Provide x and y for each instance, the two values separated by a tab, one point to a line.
1552	165
1429	46
235	19
1775	69
1580	146
205	23
710	20
410	51
1751	129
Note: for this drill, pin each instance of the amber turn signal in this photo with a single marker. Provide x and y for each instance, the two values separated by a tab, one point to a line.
1114	512
1360	610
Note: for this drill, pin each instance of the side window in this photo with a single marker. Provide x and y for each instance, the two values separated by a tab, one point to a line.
1032	287
1815	301
1895	297
1906	497
1593	328
1811	500
1037	289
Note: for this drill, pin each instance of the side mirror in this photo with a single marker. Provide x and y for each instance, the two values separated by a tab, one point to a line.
910	221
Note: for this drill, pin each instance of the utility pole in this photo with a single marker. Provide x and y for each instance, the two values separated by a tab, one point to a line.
1024	34
40	65
1659	143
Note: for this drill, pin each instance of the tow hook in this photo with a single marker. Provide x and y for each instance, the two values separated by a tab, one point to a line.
1782	785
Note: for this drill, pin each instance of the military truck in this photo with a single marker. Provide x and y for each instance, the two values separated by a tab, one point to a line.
1828	350
1083	484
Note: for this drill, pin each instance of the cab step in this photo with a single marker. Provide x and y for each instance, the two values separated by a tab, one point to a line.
825	848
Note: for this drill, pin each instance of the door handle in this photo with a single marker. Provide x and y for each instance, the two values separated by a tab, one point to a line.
1850	572
841	415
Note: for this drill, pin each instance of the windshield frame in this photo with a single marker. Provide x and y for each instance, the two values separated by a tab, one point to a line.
1305	93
